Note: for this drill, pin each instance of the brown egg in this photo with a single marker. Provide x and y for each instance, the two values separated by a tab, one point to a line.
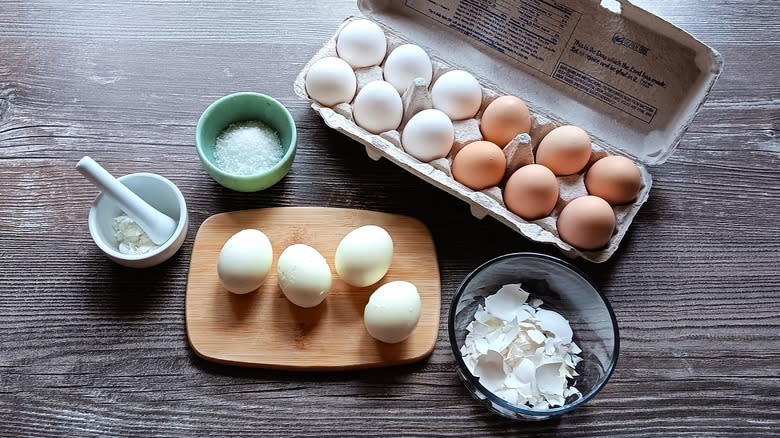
586	223
479	165
531	192
565	150
615	179
505	118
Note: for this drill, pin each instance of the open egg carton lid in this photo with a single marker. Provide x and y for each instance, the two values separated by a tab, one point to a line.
634	90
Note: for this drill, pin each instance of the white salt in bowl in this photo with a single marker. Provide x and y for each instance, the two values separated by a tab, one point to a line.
161	194
237	108
563	289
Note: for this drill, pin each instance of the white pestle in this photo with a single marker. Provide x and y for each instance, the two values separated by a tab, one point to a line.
158	226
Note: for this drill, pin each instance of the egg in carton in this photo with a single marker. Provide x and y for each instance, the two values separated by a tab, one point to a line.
519	152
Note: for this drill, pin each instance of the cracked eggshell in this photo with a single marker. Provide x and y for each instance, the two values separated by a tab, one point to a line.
304	275
392	312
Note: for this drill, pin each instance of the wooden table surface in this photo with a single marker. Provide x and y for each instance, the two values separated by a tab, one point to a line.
90	348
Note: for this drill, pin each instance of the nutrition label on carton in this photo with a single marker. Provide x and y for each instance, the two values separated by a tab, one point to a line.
582	47
534	32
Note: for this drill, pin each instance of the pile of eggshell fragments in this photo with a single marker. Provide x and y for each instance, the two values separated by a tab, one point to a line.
484	140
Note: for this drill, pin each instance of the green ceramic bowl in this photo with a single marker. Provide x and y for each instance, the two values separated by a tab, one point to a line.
242	107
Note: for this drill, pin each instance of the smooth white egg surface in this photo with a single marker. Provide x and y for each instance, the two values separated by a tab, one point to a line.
392	312
405	64
361	43
378	107
364	255
458	94
428	135
244	261
331	81
304	275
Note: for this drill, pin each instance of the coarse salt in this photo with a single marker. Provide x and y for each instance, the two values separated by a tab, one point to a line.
247	148
520	352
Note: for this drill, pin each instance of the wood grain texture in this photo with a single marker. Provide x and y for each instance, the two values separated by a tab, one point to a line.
90	348
263	329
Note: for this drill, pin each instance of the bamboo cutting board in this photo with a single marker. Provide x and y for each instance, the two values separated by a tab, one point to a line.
263	329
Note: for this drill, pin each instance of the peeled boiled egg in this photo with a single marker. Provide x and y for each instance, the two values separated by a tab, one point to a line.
458	94
428	135
244	261
331	81
565	150
615	179
361	43
378	107
504	119
405	64
531	192
586	222
304	275
364	255
479	165
392	312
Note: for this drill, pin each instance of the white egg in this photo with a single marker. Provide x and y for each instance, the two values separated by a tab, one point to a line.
331	81
405	64
364	255
428	135
378	107
392	312
458	94
361	43
304	275
244	261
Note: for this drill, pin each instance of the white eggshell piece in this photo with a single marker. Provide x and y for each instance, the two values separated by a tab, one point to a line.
244	261
304	275
392	312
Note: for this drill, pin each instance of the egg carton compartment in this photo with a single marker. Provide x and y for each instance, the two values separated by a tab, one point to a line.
519	152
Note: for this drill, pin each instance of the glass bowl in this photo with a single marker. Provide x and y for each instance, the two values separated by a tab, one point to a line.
563	289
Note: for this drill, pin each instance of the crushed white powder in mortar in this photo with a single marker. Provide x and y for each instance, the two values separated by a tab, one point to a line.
247	148
130	237
520	352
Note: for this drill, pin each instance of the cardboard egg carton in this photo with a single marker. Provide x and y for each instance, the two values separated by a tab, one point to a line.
519	152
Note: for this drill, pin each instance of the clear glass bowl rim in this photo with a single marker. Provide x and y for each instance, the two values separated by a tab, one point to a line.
524	411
